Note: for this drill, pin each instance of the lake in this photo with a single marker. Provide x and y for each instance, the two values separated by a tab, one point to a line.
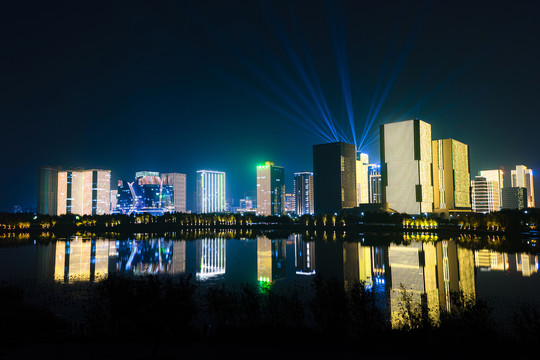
428	268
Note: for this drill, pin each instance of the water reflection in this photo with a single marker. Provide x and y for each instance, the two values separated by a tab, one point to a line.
428	271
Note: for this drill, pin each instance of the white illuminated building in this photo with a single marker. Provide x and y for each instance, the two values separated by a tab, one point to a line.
406	166
210	191
523	177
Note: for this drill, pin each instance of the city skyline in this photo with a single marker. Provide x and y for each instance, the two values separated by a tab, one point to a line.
191	85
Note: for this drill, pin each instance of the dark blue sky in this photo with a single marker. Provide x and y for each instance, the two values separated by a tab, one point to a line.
177	86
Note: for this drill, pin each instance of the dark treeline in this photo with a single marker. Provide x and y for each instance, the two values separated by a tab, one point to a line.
505	221
156	310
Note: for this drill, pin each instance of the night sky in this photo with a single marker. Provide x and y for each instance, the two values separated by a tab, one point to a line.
178	86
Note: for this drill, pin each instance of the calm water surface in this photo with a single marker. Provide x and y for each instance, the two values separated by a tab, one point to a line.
429	270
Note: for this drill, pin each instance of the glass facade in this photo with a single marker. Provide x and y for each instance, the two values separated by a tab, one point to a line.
270	189
303	193
210	191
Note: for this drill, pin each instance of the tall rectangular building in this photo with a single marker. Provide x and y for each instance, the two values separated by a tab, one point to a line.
178	182
514	198
523	177
451	175
362	178
485	196
48	190
84	192
270	189
497	182
375	186
334	177
210	191
303	193
406	163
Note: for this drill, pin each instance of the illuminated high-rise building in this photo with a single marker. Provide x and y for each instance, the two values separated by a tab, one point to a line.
523	177
211	191
289	203
270	189
84	192
48	190
362	178
485	195
178	183
114	200
303	192
451	175
334	177
497	182
406	163
153	194
514	198
374	182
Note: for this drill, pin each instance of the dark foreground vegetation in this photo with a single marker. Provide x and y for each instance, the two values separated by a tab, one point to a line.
151	311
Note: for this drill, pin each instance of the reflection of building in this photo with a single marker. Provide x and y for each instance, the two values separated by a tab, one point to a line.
523	177
455	272
271	258
84	192
212	258
362	178
178	183
486	259
527	264
270	189
413	269
81	259
485	195
149	257
374	181
356	265
304	261
210	191
451	176
406	166
48	190
334	177
303	193
514	198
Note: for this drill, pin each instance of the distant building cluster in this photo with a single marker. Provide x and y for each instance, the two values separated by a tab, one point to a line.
416	175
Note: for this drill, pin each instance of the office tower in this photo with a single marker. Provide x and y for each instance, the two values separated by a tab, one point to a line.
374	183
84	192
210	191
114	200
270	189
125	197
362	184
451	176
334	177
523	177
485	195
514	198
406	163
178	182
289	203
496	178
152	194
303	193
48	190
